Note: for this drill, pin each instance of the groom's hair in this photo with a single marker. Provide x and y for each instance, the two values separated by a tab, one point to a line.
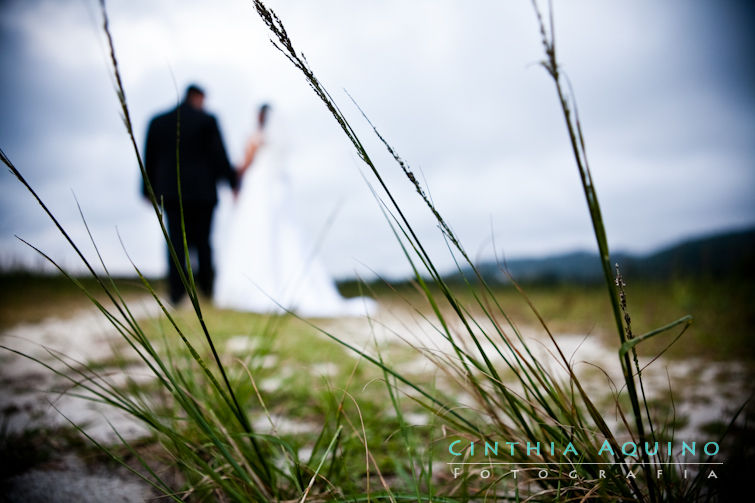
194	90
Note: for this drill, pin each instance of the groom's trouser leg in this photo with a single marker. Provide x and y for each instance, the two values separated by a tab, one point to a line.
175	285
197	222
202	222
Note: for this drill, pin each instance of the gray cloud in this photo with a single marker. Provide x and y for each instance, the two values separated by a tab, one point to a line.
664	93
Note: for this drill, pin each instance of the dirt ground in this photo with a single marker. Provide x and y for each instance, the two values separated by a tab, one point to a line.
35	400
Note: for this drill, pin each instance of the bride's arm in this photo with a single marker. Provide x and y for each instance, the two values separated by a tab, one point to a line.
249	154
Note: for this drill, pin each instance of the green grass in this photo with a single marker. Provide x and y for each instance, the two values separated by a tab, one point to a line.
722	308
300	393
307	398
723	314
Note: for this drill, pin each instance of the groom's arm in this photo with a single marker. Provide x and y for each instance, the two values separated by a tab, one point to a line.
222	165
150	154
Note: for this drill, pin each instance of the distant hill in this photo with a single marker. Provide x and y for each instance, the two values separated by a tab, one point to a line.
730	254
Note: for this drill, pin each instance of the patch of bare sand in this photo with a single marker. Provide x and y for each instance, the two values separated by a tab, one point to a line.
696	392
33	396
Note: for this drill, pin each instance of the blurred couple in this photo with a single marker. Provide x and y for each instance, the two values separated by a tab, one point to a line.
264	263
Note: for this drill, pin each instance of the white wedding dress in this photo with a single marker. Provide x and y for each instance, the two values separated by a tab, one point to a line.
265	265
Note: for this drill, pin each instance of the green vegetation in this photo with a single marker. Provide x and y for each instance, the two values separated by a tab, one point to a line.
721	329
27	298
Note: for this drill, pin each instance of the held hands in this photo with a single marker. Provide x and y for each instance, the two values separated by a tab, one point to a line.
251	150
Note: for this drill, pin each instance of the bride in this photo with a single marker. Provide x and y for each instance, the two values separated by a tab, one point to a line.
265	265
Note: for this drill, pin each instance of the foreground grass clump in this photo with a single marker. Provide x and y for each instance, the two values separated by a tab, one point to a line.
355	435
539	408
298	391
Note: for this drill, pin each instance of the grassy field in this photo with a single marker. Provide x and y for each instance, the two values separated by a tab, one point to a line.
722	309
722	312
309	386
30	298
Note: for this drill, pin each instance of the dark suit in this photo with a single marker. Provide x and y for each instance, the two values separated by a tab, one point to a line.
203	162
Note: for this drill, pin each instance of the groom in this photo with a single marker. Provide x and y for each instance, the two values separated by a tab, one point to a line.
188	138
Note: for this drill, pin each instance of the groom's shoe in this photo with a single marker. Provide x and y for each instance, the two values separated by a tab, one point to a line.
182	304
175	299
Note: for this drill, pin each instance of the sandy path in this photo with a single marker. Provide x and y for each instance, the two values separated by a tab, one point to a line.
704	391
28	404
31	393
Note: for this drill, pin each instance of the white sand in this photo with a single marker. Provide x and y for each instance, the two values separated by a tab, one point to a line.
31	393
703	391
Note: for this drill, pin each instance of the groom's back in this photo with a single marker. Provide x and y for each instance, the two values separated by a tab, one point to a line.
200	156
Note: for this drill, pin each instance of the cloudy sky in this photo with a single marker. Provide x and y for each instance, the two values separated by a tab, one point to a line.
666	93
